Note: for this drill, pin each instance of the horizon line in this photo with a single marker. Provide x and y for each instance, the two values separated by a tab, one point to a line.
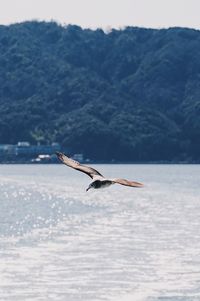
106	28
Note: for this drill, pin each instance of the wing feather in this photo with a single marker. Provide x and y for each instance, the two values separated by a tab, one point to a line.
91	172
127	183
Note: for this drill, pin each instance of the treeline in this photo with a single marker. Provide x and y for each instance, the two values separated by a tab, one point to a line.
126	95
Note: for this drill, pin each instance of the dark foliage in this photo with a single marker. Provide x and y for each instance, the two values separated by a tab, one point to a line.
130	95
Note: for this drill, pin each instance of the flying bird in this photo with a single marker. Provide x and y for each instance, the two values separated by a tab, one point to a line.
98	180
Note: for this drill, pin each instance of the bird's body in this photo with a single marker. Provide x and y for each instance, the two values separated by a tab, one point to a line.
99	181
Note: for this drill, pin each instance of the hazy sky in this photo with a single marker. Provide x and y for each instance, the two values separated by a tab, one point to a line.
104	13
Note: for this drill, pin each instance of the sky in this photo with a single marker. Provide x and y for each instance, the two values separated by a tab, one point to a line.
104	13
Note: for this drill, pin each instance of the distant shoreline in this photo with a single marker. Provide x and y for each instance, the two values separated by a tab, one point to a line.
102	162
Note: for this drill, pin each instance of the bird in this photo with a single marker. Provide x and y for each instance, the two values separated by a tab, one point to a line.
98	180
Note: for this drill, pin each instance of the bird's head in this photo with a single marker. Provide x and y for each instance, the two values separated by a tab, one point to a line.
89	187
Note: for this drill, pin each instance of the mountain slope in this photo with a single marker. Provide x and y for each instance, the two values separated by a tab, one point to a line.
131	94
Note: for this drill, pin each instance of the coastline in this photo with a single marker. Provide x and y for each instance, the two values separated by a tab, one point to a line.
28	162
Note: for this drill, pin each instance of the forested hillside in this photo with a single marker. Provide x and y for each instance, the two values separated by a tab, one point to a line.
127	95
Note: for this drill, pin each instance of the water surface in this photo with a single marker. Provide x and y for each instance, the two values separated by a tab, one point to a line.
59	243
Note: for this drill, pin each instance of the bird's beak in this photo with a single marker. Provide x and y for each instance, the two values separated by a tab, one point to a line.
88	188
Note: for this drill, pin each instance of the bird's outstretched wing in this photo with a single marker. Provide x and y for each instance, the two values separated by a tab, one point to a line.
127	183
91	172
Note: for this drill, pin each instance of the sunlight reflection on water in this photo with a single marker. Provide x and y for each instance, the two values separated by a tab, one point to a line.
58	242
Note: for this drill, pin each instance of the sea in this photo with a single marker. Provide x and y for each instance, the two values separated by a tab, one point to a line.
61	243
